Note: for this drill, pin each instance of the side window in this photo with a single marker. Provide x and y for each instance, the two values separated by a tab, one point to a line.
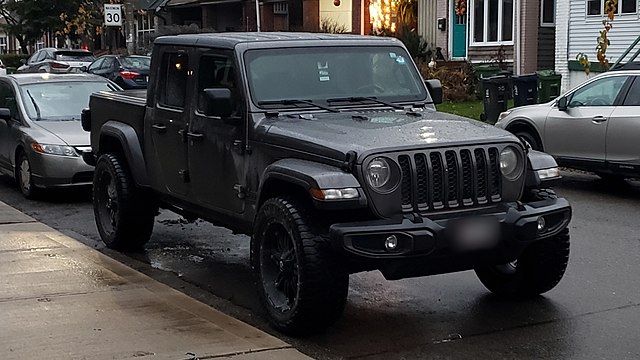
96	65
39	56
601	92
173	83
633	96
215	71
8	99
108	64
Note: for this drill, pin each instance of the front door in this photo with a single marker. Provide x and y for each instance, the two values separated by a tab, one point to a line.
459	28
579	133
215	145
6	96
167	124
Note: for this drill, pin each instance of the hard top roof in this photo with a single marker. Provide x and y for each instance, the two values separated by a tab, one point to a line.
33	78
267	39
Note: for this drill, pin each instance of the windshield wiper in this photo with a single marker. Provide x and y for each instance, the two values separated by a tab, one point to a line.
35	105
297	101
365	98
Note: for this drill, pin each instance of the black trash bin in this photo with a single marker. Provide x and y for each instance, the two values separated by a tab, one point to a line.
496	94
525	89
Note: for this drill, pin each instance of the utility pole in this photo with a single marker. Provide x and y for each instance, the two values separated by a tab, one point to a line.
129	27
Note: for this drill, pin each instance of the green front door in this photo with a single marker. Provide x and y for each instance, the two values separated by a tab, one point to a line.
459	29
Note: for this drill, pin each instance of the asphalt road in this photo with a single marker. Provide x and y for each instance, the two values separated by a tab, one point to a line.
594	313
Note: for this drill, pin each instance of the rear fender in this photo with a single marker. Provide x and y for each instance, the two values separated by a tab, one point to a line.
127	142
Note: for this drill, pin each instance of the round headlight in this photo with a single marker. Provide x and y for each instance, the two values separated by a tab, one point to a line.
378	173
510	163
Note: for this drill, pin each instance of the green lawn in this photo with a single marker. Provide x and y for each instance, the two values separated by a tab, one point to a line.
470	109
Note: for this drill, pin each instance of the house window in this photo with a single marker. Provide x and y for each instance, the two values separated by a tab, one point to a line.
548	9
492	21
594	7
144	29
3	45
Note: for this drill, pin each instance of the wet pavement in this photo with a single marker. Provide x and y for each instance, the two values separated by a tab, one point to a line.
60	299
594	313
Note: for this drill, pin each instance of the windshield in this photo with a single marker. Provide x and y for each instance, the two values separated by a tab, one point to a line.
322	73
75	56
136	63
59	100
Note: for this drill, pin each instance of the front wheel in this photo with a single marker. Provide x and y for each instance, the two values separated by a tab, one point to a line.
300	282
24	177
538	270
124	215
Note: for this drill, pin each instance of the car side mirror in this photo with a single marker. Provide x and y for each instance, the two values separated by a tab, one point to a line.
217	102
435	90
23	61
562	104
5	114
83	69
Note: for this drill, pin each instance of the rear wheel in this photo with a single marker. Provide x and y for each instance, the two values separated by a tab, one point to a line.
124	213
538	270
301	284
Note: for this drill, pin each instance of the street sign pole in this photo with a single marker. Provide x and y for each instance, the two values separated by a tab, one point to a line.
258	15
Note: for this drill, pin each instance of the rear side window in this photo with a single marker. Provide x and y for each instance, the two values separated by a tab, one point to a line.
173	84
633	96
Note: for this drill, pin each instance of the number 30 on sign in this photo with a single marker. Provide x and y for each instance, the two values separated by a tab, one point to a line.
112	15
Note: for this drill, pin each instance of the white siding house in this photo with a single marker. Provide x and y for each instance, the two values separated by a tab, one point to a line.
578	25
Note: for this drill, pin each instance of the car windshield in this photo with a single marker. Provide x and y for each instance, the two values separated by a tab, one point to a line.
74	56
136	63
345	73
60	100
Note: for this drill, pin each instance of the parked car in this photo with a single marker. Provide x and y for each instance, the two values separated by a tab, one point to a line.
58	61
592	127
130	72
41	139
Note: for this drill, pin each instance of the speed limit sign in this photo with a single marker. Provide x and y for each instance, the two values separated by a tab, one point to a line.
112	15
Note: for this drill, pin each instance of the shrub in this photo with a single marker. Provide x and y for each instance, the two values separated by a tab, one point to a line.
331	26
457	78
13	60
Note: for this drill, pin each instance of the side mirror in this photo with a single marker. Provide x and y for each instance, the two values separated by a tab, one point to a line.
5	114
23	61
217	102
435	89
83	69
562	104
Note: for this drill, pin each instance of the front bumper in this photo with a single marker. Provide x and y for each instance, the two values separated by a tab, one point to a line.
427	247
53	171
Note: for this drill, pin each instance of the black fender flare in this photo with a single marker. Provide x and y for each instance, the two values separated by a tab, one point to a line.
309	175
538	160
131	148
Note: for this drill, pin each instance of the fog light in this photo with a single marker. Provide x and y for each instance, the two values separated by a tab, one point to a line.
391	243
541	223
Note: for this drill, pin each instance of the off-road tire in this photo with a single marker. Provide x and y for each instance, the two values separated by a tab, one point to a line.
538	270
124	213
319	283
26	185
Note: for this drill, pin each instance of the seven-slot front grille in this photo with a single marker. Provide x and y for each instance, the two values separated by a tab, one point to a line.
449	179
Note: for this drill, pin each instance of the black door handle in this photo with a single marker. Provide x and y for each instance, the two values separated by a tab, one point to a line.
159	128
195	136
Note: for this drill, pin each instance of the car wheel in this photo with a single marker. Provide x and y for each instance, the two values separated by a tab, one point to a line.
300	282
530	139
24	177
124	214
538	270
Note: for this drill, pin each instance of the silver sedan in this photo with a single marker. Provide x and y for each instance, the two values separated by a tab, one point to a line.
593	127
41	138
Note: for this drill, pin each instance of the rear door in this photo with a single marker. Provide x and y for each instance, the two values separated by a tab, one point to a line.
578	134
623	132
166	122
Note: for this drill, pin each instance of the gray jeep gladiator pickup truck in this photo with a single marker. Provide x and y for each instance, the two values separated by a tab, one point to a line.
328	151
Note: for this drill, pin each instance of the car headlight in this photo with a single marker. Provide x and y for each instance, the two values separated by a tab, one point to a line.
378	173
61	150
504	114
511	163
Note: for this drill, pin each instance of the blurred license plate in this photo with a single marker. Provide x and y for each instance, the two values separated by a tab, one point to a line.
475	233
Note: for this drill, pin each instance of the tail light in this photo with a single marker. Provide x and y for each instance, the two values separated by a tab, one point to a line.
57	65
129	75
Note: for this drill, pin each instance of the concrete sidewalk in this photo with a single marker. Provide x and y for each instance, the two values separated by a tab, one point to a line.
60	299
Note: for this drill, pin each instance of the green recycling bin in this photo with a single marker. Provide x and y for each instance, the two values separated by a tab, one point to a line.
482	72
549	83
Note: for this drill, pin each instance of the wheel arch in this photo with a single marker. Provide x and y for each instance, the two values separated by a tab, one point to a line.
519	125
123	139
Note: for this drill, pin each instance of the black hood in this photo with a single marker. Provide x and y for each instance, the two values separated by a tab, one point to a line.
334	134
